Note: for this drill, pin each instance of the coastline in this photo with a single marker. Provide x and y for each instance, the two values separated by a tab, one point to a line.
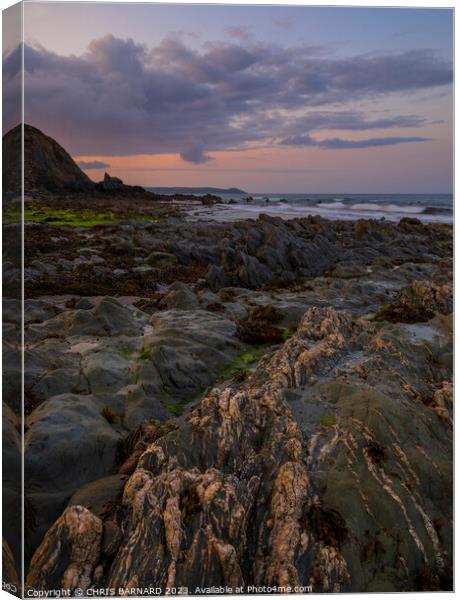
141	331
234	210
228	213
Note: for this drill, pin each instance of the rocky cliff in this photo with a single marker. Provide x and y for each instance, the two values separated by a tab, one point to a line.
49	169
47	166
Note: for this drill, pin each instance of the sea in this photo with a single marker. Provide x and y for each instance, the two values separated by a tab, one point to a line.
392	207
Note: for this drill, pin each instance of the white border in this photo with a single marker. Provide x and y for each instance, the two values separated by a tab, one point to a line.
449	4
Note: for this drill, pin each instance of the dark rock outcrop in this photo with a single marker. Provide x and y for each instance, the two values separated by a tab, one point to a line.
419	302
50	170
47	166
114	185
111	183
300	475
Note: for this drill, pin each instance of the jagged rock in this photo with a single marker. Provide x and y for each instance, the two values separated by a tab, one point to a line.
419	301
79	532
216	277
253	273
111	183
295	477
114	186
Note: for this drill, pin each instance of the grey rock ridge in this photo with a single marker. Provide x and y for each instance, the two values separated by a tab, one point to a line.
301	475
260	428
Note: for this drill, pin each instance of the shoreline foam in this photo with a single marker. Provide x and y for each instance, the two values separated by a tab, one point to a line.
333	211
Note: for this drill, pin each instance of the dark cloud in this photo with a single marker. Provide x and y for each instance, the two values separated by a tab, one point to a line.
11	90
120	97
339	143
93	164
371	75
355	121
194	153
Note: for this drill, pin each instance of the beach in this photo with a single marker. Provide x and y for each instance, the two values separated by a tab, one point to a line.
232	357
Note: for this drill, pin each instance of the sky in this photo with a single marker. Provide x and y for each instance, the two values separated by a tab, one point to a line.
265	98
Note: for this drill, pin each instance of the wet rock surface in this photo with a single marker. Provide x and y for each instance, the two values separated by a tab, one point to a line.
259	403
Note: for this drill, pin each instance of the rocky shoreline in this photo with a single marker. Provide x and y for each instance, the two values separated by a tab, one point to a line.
263	402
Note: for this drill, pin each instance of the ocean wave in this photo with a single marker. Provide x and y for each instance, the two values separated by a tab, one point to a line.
437	210
391	208
386	208
346	208
334	205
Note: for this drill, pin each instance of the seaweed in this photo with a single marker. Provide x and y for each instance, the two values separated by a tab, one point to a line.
145	354
239	367
327	420
266	312
109	415
66	217
127	444
258	332
175	408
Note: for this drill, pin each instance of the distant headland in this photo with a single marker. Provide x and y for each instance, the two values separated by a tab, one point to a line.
198	191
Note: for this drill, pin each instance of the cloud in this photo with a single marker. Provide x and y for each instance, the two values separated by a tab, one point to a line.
239	32
339	143
194	153
355	121
93	164
121	98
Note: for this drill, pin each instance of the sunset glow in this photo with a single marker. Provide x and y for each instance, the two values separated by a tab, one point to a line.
307	99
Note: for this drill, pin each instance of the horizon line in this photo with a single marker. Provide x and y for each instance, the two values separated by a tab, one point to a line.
197	187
